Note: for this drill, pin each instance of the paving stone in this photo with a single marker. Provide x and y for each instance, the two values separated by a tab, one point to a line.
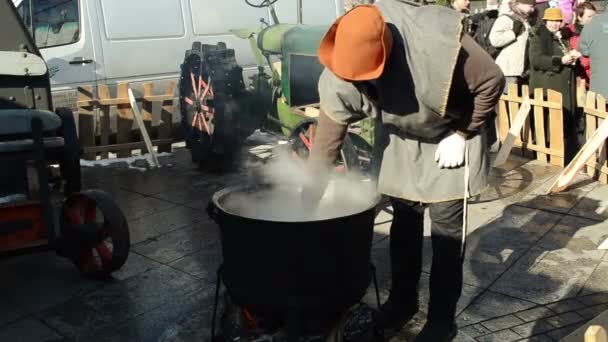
532	328
174	245
594	299
493	248
502	323
188	195
41	280
538	338
594	205
566	305
463	337
119	302
159	223
475	330
592	311
9	312
502	336
468	294
144	206
202	264
491	305
558	266
558	334
163	322
29	329
598	281
535	314
136	264
565	319
561	202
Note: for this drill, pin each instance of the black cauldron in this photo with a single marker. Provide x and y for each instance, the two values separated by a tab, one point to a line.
309	266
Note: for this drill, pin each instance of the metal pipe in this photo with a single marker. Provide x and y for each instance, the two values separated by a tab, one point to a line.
299	9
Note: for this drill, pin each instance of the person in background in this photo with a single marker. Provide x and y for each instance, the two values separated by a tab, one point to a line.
584	12
462	6
552	64
539	10
510	33
567	8
593	43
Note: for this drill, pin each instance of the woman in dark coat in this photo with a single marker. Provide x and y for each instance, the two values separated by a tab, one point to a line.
552	66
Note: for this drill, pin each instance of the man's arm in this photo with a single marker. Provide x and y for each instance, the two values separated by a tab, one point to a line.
484	81
341	104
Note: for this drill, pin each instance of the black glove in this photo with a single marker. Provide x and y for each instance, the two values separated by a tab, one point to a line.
518	27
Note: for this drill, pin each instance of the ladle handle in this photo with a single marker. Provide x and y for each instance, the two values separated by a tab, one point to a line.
213	212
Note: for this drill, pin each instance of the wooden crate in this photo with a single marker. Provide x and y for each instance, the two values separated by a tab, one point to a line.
595	113
94	110
546	113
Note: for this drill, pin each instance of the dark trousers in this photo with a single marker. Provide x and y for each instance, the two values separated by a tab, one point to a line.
406	237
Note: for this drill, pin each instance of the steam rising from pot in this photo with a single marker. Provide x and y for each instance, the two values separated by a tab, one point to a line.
345	194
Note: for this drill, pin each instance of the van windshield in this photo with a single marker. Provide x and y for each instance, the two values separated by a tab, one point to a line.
51	22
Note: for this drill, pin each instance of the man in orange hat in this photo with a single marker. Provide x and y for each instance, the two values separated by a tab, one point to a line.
430	89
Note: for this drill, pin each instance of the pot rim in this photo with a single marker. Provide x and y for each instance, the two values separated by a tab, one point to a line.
233	188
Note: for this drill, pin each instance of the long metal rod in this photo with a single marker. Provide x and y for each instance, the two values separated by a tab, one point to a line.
299	9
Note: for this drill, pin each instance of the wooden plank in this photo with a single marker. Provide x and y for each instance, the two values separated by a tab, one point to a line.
503	120
533	102
579	161
142	127
127	146
591	125
596	333
125	100
86	121
165	129
146	108
539	125
166	97
556	128
513	110
124	121
580	92
514	131
527	130
601	159
103	91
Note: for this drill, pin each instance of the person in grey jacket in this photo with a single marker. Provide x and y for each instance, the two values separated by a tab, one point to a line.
510	33
429	115
593	43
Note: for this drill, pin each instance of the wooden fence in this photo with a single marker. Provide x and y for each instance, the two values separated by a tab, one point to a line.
595	112
94	121
546	114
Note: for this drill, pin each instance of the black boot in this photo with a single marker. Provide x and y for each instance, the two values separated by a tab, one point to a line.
437	332
406	235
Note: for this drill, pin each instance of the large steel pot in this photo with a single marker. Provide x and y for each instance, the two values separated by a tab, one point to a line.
309	266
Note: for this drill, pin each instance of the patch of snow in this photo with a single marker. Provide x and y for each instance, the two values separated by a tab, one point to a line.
13	198
128	160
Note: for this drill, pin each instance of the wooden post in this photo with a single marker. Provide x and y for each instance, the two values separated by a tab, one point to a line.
86	119
165	129
503	118
601	159
539	124
124	121
146	110
556	123
106	130
596	333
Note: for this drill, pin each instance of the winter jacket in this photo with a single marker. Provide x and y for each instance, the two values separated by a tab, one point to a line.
511	59
583	69
548	72
567	7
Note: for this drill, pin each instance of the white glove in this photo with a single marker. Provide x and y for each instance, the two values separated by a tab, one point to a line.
450	151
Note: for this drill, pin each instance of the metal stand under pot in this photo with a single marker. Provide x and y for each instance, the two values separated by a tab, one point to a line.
297	277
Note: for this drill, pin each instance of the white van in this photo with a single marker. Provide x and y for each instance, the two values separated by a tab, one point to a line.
90	42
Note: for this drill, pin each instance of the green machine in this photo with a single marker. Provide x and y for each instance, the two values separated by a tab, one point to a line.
283	95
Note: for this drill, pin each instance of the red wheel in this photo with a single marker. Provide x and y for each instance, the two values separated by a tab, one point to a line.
95	233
